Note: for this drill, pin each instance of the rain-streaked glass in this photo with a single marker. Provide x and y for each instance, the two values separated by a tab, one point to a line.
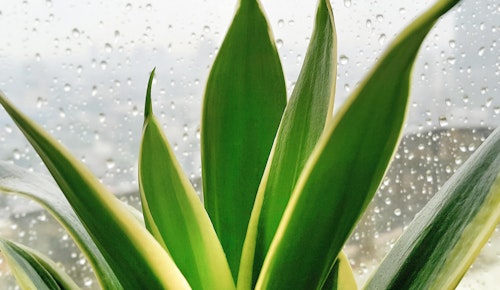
80	69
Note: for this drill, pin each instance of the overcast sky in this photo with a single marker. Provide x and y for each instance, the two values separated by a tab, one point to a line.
80	67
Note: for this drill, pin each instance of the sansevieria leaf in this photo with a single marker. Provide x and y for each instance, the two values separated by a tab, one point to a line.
341	276
346	167
442	241
173	212
244	99
16	180
34	271
105	218
304	119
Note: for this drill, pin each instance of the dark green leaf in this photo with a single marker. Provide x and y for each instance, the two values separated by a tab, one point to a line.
244	100
341	276
443	240
346	167
303	122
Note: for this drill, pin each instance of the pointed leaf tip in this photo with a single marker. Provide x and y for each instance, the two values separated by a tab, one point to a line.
148	107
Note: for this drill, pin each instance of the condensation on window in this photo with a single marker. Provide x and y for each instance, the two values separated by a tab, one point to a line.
80	69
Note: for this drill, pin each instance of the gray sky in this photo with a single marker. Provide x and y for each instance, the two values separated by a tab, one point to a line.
80	67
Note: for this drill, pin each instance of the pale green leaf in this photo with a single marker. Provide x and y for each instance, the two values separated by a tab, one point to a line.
33	270
174	213
346	167
341	276
443	240
244	99
137	260
303	122
16	180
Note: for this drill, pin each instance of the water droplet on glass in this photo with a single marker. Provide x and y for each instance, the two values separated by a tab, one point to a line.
135	111
347	3
381	39
443	121
480	52
16	154
347	87
281	23
104	65
397	212
67	87
39	102
108	47
62	114
102	117
37	57
368	23
452	43
110	163
279	43
489	101
380	17
344	59
75	32
87	281
451	60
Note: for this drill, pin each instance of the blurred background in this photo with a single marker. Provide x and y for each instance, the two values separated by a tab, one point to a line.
80	69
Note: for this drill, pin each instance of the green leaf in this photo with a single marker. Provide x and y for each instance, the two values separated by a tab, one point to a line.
174	214
137	260
346	167
33	270
341	276
244	99
16	180
303	122
443	240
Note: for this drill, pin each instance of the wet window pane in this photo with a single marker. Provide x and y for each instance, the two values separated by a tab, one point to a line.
80	69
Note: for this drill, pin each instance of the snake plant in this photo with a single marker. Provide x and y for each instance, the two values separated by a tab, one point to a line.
284	182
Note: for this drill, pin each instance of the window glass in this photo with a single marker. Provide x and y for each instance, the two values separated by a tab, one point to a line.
80	69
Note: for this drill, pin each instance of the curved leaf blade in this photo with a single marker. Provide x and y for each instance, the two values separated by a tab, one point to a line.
345	168
174	213
244	99
341	276
16	180
303	122
443	240
32	270
104	217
